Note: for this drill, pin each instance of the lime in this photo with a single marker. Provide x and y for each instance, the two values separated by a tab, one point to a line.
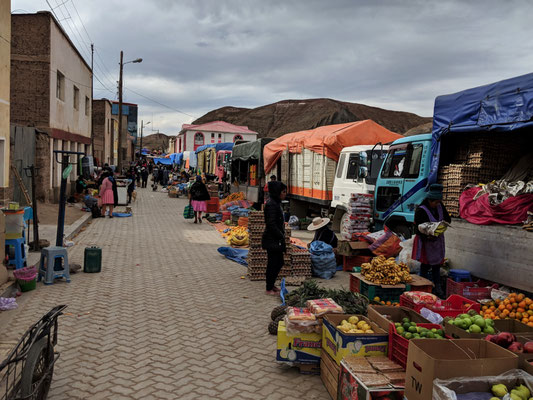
400	330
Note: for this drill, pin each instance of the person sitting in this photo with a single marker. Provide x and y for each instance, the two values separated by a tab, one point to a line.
322	232
81	185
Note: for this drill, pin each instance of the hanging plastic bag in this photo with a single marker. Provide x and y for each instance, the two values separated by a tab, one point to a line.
323	261
188	212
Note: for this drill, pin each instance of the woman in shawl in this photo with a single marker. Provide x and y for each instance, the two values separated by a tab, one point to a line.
198	194
274	236
107	193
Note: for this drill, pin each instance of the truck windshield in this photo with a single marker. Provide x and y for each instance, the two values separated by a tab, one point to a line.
395	163
353	164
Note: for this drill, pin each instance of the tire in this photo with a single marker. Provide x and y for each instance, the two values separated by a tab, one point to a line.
38	363
403	230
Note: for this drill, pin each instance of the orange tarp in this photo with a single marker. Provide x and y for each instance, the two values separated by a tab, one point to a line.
328	140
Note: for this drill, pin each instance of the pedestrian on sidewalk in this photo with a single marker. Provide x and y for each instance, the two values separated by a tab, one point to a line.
144	176
198	195
430	250
107	194
130	175
274	236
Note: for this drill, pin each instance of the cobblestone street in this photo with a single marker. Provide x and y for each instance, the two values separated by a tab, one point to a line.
167	318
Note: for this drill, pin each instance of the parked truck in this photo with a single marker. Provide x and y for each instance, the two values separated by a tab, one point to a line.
324	166
477	135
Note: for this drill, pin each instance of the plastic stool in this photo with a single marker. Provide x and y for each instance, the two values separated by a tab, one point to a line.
460	275
19	261
49	255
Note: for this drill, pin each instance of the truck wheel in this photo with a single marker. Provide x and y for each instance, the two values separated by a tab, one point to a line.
345	217
403	230
38	370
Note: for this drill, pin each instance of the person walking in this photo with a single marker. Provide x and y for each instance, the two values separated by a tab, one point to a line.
427	249
322	232
273	240
107	194
144	176
198	195
130	175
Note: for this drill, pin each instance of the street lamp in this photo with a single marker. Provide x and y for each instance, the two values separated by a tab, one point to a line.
122	63
141	146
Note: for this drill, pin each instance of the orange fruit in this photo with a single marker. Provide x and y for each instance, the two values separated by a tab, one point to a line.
531	306
518	315
525	320
520	296
501	307
530	324
484	308
497	301
514	305
509	307
496	317
531	318
506	301
528	301
505	313
520	310
512	315
522	304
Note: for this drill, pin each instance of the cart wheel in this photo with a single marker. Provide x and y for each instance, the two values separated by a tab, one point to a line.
39	363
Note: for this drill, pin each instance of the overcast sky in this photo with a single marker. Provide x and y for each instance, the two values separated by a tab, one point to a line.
201	55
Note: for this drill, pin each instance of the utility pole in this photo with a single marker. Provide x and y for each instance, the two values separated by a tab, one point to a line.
119	162
91	103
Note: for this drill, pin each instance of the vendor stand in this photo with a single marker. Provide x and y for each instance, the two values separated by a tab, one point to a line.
122	191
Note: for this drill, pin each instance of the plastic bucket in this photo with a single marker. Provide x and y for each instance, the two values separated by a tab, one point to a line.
26	286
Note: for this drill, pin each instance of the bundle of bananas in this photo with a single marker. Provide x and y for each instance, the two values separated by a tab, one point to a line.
236	236
385	271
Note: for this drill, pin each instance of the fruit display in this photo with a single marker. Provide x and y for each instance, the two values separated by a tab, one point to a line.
508	341
515	306
472	322
410	330
233	197
519	392
236	236
385	271
354	325
386	303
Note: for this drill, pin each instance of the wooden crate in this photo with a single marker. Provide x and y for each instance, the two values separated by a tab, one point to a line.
329	373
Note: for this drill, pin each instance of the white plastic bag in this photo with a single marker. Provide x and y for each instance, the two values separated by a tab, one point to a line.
431	316
406	254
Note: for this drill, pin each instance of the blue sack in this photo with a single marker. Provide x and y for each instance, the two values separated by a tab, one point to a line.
323	262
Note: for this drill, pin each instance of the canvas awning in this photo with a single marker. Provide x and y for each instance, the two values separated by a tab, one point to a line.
328	140
250	150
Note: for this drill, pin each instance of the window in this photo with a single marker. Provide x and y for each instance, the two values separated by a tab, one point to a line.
198	140
60	86
353	164
76	98
237	137
415	159
395	163
340	165
87	105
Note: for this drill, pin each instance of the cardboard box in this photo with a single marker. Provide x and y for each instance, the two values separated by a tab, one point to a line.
339	344
329	373
349	248
385	315
429	359
350	387
449	389
501	325
302	348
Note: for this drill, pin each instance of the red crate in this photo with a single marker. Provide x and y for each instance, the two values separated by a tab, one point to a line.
349	262
470	290
451	307
398	345
213	205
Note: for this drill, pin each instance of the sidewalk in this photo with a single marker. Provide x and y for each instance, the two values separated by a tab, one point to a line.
167	318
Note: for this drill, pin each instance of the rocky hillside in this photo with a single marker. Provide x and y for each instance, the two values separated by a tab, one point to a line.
274	120
156	141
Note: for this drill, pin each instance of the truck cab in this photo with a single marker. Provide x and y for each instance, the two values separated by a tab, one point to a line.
357	170
402	182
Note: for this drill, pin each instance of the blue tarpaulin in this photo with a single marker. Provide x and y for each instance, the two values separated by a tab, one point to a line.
164	161
237	255
204	147
218	147
176	158
498	107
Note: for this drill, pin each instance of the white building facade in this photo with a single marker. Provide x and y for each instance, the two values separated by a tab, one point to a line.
193	136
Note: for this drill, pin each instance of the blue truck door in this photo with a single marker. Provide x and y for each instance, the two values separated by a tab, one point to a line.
416	167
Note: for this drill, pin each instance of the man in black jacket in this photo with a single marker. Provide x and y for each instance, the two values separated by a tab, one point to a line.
274	236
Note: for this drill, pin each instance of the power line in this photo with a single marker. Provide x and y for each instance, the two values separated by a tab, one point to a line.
161	104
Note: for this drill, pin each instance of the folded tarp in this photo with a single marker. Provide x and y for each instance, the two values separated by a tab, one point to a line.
480	212
237	255
328	140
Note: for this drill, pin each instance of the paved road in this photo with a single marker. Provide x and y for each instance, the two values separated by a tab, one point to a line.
168	318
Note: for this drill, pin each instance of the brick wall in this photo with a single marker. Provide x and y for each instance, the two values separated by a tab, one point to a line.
42	160
30	70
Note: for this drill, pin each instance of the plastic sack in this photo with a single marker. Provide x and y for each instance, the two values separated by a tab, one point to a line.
462	388
293	220
433	228
406	254
387	245
324	306
421	297
431	316
8	303
300	314
323	262
188	212
297	327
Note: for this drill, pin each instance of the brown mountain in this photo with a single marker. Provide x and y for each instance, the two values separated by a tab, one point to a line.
274	120
156	141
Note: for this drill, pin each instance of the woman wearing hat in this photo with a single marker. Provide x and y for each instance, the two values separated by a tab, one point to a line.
430	250
322	232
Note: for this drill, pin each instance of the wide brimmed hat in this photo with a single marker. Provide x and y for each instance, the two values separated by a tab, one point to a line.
318	223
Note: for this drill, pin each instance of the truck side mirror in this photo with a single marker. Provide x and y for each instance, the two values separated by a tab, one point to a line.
363	172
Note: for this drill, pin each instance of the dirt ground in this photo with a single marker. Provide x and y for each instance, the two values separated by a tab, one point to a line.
48	213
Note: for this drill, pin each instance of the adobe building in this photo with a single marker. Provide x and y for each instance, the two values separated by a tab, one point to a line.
193	136
51	92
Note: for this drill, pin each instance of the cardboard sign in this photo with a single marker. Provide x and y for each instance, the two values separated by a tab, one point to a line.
301	348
